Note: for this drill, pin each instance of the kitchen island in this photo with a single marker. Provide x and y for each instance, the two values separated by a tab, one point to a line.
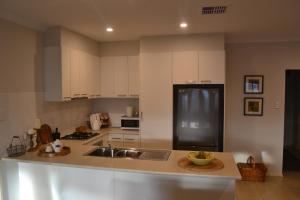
78	176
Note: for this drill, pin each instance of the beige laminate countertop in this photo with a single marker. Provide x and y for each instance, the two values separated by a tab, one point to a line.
170	167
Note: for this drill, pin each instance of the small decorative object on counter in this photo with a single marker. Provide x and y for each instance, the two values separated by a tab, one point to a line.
56	135
47	151
57	145
44	134
252	171
16	147
32	136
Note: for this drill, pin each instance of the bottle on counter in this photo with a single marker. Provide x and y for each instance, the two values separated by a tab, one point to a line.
56	135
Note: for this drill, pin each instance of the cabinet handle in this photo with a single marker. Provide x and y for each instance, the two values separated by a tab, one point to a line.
134	95
190	81
67	97
141	117
84	94
122	95
76	94
131	139
205	81
116	138
98	95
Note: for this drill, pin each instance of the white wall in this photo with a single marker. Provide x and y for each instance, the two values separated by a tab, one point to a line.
259	136
21	87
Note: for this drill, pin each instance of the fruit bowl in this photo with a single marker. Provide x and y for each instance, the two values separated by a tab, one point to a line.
200	157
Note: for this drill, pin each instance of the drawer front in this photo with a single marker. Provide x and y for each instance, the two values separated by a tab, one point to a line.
132	145
115	137
131	138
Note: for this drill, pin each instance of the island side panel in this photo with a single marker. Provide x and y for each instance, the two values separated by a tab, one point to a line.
27	180
52	182
130	186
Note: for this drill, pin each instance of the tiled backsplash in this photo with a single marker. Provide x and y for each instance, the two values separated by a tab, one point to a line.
18	112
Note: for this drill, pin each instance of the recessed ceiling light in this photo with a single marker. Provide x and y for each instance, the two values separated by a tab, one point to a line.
109	29
183	25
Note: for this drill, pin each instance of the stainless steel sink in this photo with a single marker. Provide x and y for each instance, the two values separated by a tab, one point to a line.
143	154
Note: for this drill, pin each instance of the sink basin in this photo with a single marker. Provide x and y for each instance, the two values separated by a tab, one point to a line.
142	154
104	152
128	153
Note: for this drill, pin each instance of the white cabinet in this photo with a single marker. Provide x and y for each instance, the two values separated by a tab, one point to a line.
107	76
203	67
79	74
57	70
156	96
134	76
212	67
120	76
185	67
94	77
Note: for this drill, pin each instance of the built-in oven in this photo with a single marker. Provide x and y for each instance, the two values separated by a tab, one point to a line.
131	123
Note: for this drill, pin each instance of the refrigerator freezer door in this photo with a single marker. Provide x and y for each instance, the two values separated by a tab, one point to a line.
197	117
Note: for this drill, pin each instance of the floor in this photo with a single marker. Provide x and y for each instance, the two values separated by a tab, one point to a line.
275	188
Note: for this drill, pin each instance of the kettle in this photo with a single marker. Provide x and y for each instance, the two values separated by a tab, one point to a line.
57	145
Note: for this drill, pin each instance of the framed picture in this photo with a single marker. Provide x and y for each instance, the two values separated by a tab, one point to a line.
253	106
253	84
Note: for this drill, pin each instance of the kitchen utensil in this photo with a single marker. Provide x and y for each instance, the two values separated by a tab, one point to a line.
200	157
105	119
129	111
16	147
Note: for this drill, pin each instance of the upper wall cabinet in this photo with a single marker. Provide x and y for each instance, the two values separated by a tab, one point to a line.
70	74
120	76
134	76
107	74
203	67
185	67
212	67
57	68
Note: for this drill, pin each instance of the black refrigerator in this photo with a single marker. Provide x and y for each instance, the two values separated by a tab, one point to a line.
198	117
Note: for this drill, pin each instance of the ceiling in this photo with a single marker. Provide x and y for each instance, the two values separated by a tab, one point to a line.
132	19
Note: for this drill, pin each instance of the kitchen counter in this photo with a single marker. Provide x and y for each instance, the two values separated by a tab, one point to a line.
77	158
121	169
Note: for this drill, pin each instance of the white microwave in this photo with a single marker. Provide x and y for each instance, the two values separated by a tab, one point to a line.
130	123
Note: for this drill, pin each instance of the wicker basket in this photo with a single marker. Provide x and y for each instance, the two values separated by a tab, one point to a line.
16	147
252	171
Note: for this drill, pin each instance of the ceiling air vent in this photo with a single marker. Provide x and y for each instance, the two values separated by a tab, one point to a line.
211	10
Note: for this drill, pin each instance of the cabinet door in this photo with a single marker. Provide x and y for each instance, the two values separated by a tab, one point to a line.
75	73
156	96
65	73
96	76
121	76
212	67
185	67
134	76
90	75
107	77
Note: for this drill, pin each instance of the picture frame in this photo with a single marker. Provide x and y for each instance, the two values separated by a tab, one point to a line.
253	84
253	106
